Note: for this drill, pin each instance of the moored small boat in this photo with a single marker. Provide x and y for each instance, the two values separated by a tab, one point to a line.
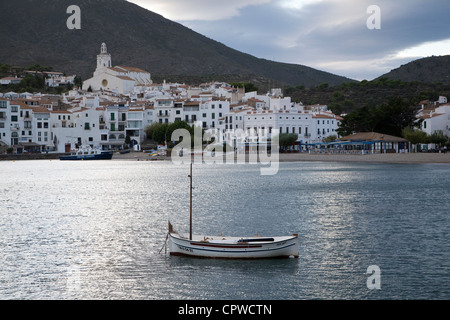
88	154
234	247
230	247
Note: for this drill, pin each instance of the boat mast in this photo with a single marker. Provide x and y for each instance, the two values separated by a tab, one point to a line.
190	207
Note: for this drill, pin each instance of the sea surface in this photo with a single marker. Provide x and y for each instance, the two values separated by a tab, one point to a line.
96	230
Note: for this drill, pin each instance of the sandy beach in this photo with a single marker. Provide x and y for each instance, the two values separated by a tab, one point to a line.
293	157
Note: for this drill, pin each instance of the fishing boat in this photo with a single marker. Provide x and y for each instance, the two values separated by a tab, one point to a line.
87	153
255	247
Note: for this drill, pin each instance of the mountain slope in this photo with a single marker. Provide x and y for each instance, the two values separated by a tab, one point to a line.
34	31
435	69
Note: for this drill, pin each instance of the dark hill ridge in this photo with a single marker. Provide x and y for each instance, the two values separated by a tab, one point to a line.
34	31
435	69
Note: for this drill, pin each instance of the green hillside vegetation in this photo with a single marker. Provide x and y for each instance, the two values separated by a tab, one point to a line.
348	97
32	82
426	70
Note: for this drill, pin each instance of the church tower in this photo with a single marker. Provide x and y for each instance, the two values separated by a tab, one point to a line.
103	59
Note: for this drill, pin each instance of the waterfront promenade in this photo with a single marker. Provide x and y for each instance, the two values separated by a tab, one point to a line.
323	157
283	157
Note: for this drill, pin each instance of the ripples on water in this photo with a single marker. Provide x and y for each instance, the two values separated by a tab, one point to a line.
93	230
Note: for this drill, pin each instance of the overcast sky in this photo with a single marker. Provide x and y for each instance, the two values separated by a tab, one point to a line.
329	35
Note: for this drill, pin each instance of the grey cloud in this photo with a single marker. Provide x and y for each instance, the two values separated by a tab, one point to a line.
329	31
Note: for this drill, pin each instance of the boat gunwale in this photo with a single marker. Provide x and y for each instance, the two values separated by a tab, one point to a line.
236	244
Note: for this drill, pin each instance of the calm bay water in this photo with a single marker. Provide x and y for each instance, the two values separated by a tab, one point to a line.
93	230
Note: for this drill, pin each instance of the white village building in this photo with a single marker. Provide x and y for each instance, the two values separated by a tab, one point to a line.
436	119
118	79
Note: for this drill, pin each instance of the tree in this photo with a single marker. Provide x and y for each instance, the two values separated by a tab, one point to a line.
330	138
149	130
395	115
361	120
160	133
78	81
415	136
178	125
287	139
38	67
248	86
4	68
389	118
439	138
127	140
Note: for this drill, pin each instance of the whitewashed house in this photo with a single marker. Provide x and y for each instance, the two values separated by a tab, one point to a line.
325	124
135	126
6	122
10	80
43	133
55	81
63	131
436	119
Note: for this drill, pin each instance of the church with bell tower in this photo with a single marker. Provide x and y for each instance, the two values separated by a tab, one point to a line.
118	79
103	59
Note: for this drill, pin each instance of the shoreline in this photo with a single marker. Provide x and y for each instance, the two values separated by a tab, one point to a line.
418	158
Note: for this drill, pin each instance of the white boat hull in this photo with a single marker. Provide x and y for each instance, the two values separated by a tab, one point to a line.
234	247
